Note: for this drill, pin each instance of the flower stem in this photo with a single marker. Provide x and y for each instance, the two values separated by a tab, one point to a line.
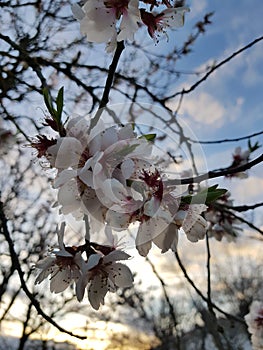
106	92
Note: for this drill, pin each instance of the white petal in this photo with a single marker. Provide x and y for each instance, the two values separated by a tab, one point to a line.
118	220
65	153
109	137
45	263
63	177
151	207
126	132
97	291
50	268
64	253
60	233
193	215
99	25
60	280
143	239
115	255
68	197
128	27
93	260
198	230
127	168
80	287
120	275
167	239
114	190
180	216
86	176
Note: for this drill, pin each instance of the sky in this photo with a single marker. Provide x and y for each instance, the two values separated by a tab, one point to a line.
229	103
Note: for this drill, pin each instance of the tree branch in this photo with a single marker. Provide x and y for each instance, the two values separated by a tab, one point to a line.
215	173
201	294
105	97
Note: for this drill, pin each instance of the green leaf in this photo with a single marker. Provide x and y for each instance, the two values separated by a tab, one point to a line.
206	196
254	147
48	101
148	137
59	103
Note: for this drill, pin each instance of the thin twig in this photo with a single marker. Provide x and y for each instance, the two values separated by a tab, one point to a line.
201	294
171	307
209	299
215	67
240	218
216	173
105	97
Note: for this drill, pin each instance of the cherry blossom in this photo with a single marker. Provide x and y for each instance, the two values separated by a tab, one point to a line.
157	23
63	266
103	273
254	320
101	20
93	167
222	223
111	21
108	174
192	223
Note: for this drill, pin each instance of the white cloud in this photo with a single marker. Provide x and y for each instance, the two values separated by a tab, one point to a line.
248	190
197	8
204	108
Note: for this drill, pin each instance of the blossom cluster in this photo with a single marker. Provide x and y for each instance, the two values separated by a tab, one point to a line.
254	320
108	175
100	273
116	20
242	158
221	222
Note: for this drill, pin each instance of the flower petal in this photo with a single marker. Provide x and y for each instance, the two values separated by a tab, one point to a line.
121	275
115	255
97	291
60	280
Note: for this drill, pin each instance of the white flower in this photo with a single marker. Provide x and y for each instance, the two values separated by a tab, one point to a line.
63	267
101	20
254	320
93	169
158	231
239	158
156	215
102	274
222	223
158	22
193	224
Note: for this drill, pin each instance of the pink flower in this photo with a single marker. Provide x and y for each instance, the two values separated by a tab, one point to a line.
239	158
63	267
101	20
102	273
222	223
193	224
158	22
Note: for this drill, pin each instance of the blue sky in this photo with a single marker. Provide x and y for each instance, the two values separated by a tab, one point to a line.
229	103
233	95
